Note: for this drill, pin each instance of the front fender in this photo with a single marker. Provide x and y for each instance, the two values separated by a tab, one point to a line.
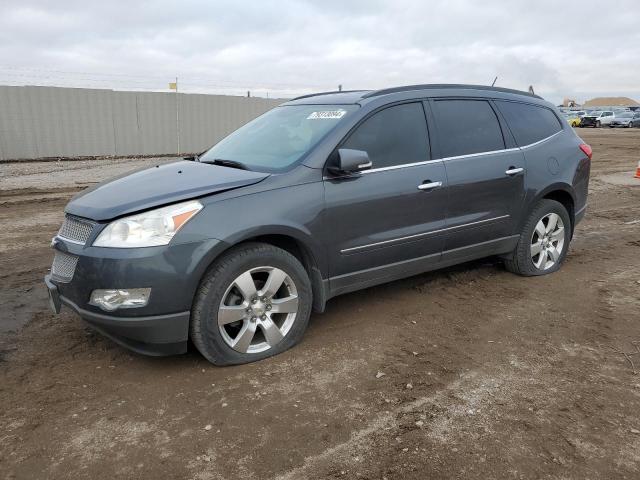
299	233
293	211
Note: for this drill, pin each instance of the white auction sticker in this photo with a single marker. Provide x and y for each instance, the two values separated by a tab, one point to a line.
328	114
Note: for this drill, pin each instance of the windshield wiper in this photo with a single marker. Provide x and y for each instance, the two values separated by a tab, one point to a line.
226	163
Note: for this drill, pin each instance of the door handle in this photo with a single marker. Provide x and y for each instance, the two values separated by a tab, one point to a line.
428	185
514	171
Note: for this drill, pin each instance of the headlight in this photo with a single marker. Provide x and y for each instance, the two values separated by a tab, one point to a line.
148	229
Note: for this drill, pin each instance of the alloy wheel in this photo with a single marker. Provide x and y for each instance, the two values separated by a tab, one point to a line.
258	309
547	241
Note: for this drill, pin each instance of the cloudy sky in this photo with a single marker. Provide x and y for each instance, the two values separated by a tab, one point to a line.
285	47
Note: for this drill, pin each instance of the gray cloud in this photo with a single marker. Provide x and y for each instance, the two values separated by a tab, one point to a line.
577	49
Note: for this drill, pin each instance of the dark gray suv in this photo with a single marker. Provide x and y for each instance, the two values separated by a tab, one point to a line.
324	195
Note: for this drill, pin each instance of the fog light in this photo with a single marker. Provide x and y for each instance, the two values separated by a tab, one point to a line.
113	299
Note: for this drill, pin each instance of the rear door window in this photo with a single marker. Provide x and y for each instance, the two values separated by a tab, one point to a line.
394	136
466	127
529	123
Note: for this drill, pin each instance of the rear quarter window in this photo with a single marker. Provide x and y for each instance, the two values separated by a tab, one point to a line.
529	123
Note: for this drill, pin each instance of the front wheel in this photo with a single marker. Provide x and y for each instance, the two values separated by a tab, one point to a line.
544	241
598	124
253	303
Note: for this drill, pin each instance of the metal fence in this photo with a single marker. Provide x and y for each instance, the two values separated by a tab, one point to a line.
44	122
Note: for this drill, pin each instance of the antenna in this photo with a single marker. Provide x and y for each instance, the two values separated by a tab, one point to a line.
494	81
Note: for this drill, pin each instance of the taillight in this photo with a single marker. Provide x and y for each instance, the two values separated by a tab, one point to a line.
587	150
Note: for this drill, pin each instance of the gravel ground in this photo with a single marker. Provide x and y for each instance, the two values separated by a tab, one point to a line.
68	174
486	375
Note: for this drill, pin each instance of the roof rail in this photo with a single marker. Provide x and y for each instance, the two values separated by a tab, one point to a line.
407	88
326	93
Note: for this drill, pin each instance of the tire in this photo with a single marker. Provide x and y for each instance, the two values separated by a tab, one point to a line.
522	261
220	296
598	124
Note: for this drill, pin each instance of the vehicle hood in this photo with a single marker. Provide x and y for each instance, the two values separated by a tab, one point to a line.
157	186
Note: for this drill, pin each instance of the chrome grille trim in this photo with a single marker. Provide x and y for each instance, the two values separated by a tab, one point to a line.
76	230
64	266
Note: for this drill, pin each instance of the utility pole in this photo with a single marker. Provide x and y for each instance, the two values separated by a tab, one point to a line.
177	119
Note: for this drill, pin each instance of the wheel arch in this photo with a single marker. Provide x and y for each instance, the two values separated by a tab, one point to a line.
562	193
295	241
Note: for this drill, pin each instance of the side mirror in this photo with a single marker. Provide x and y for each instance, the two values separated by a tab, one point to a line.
349	161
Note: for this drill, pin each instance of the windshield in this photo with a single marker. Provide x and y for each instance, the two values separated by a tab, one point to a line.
279	138
625	115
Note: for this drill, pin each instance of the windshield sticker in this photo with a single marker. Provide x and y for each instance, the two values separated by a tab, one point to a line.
328	114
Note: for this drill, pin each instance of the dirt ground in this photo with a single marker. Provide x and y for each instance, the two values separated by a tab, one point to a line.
486	375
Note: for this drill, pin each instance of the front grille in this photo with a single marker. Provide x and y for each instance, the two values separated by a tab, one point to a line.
64	266
76	229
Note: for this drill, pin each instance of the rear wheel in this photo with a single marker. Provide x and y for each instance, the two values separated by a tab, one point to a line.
544	240
254	302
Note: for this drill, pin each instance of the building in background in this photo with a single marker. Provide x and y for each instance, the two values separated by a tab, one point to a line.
52	122
569	102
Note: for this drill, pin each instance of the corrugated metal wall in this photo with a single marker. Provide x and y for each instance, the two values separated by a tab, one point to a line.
41	122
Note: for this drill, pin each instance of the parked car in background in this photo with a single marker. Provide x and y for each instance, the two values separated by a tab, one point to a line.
597	119
635	121
625	119
572	119
324	195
